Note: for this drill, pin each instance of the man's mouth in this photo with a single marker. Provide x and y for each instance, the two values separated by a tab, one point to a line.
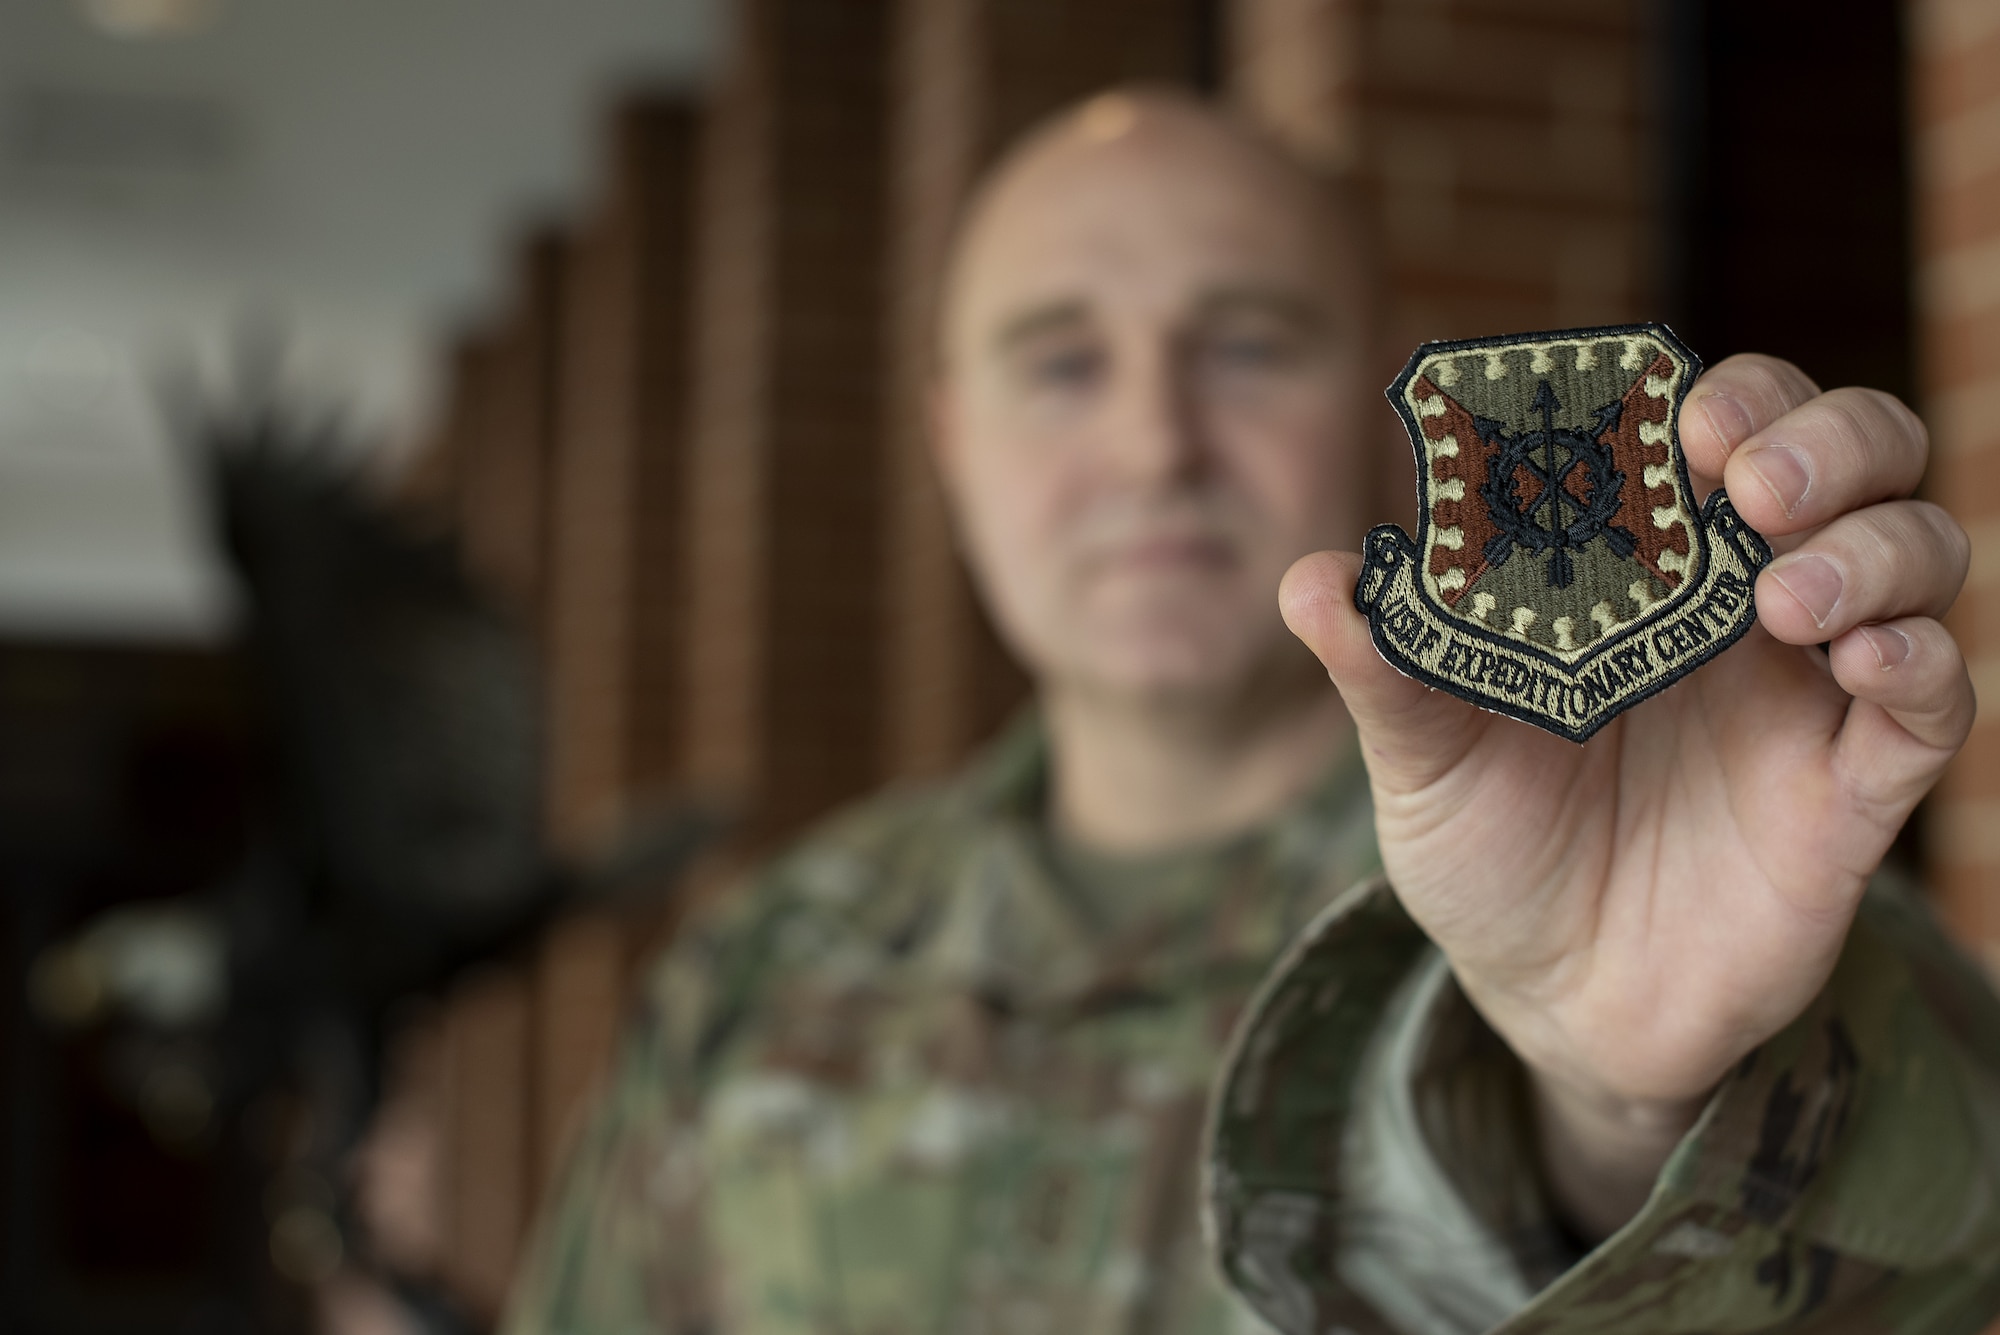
1172	552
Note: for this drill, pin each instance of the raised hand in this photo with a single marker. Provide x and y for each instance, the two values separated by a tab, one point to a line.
1635	914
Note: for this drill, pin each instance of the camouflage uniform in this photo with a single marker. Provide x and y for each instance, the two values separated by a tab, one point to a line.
941	1072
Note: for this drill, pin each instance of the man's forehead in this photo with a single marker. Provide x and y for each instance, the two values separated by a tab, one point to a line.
1175	209
1292	304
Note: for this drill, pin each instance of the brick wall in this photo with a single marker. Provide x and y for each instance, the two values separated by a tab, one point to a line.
782	699
485	1169
1507	146
1955	122
564	460
511	432
507	1067
617	585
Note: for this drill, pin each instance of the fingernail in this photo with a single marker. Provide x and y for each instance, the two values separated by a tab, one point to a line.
1891	646
1726	417
1813	580
1785	471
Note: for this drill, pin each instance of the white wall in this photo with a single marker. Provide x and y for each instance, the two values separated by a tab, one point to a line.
353	169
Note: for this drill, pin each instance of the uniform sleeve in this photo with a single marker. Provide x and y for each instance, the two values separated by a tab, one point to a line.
1845	1177
1848	1172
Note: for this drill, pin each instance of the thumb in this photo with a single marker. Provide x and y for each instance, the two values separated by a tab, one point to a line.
1409	733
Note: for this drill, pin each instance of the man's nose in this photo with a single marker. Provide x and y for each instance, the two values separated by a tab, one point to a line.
1155	431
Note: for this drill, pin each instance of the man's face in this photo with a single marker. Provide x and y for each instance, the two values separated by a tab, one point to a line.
1155	366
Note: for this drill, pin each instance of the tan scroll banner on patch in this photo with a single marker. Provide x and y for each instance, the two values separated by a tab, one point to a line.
1561	572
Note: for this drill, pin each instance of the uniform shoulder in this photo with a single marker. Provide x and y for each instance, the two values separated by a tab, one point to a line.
875	870
853	896
889	835
910	837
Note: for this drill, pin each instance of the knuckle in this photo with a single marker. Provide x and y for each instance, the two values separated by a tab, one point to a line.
1952	541
1792	382
1892	421
1879	543
1853	418
1857	410
1914	428
1941	675
1775	385
1870	429
1913	553
1893	544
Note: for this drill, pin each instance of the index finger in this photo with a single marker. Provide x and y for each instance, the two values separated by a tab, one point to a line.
1733	401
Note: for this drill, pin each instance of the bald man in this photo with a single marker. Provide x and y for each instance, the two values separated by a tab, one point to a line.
1611	1054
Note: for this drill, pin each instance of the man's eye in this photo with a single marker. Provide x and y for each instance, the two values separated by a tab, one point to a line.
1252	352
1068	369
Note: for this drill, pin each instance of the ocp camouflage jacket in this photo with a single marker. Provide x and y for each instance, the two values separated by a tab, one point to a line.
917	1078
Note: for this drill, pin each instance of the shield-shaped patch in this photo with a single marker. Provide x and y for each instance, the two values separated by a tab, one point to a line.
1561	572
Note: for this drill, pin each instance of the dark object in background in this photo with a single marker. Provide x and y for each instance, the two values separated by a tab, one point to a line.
123	781
404	729
404	714
1789	162
1788	149
390	815
224	1027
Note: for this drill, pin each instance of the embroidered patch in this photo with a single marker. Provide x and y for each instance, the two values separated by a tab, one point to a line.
1560	573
